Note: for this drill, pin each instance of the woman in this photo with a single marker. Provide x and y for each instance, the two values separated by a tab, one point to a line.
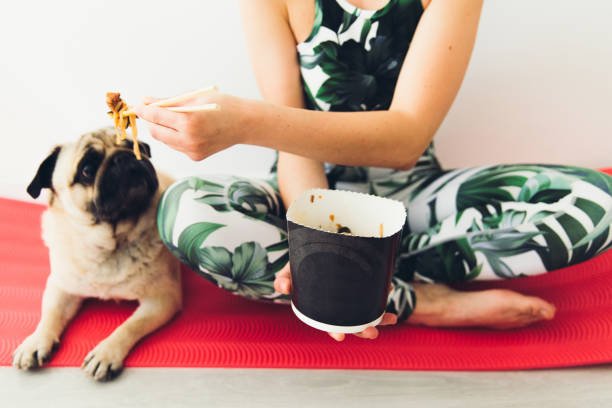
365	84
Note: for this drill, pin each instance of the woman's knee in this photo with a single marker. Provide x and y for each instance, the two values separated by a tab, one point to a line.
167	209
226	230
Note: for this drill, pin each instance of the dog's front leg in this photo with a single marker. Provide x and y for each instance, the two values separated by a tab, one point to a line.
58	307
105	361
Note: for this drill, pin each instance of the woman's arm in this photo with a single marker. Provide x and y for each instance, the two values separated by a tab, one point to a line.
273	55
429	81
430	78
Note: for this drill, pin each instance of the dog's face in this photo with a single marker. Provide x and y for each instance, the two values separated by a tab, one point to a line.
95	179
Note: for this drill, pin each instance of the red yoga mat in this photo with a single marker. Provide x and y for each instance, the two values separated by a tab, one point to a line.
217	329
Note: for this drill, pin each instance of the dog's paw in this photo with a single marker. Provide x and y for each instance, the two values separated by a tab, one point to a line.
34	352
104	362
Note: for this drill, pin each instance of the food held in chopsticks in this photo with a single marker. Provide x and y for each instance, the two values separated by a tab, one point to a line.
122	119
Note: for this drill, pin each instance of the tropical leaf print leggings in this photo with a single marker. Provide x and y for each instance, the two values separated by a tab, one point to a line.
483	223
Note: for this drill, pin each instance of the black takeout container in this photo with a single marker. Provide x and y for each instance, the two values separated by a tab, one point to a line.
342	251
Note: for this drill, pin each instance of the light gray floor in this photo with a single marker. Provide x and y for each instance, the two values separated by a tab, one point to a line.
164	387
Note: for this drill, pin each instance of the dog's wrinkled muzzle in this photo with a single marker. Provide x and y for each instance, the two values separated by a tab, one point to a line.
124	188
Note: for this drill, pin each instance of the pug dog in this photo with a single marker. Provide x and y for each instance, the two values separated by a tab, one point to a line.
100	228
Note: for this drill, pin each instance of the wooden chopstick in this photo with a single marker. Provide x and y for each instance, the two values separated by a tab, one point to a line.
180	98
170	102
182	109
195	108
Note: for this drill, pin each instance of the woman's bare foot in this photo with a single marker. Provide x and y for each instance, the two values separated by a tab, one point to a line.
440	306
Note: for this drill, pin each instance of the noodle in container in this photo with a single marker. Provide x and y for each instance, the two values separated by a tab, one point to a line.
342	250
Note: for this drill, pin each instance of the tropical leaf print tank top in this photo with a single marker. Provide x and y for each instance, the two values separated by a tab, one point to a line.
351	62
352	58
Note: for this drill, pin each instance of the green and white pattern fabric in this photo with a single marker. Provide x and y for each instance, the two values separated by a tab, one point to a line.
494	222
489	222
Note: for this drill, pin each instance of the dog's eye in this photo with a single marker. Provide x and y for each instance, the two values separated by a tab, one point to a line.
88	172
88	167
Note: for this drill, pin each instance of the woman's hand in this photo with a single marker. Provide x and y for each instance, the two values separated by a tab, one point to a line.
282	284
198	134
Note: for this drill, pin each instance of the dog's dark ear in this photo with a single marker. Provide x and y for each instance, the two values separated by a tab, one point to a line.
43	176
145	148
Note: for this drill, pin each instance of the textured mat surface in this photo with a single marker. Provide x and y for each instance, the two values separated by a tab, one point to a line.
217	329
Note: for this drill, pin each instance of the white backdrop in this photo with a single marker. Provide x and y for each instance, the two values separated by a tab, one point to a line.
539	87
